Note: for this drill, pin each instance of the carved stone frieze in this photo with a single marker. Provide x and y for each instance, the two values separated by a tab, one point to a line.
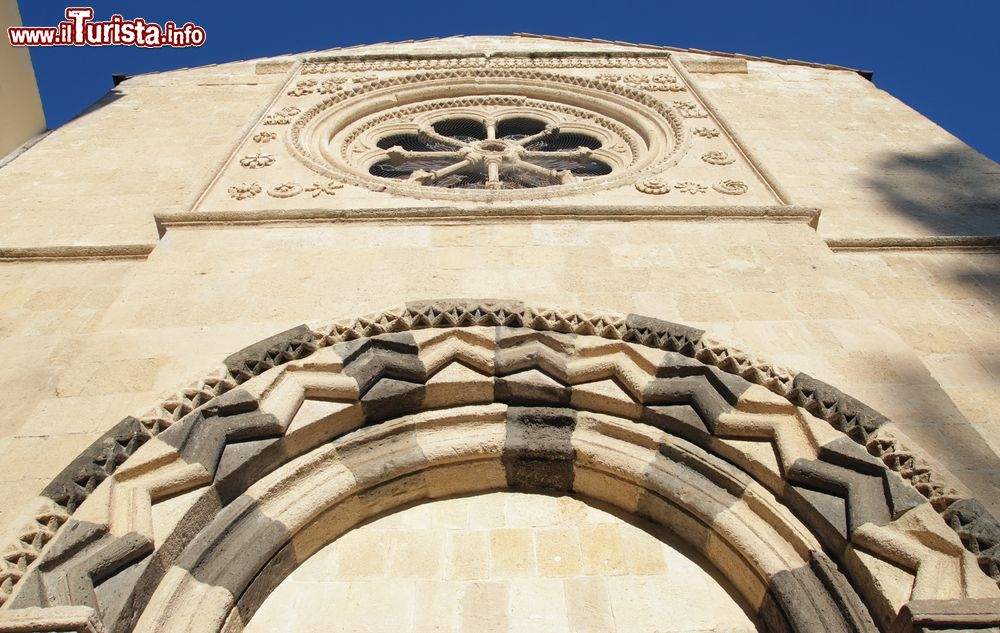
659	82
319	66
327	86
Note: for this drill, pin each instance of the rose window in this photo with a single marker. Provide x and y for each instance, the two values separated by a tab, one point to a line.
516	152
488	135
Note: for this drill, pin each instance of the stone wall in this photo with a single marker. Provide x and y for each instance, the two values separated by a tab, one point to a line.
876	167
127	270
498	563
913	335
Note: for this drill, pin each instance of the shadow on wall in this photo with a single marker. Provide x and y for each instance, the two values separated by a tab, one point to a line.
952	191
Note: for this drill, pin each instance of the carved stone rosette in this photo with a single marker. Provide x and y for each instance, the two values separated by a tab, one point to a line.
731	187
653	186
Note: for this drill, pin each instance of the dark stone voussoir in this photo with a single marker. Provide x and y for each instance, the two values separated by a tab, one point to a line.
851	607
798	600
268	538
253	360
676	365
97	462
232	402
392	356
390	398
971	615
201	437
979	531
864	493
666	335
694	391
900	495
846	414
465	312
531	389
538	450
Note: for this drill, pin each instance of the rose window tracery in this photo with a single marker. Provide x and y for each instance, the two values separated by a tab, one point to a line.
488	134
512	152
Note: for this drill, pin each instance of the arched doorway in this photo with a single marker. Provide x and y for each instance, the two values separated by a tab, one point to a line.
188	518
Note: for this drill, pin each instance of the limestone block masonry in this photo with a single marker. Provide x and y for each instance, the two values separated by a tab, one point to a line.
500	464
498	562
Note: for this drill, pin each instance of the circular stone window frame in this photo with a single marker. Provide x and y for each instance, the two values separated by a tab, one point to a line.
661	138
363	141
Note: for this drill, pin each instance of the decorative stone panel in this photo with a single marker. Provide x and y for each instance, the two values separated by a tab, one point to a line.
486	130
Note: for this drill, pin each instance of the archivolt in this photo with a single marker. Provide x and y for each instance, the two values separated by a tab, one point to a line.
185	518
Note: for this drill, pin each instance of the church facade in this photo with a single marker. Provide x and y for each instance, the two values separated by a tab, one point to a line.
500	334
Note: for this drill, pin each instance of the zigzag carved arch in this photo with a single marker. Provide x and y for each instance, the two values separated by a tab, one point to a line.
462	397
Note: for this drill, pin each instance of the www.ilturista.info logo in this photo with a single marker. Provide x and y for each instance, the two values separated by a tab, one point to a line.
80	29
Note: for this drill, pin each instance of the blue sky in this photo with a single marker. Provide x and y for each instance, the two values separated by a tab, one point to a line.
942	58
